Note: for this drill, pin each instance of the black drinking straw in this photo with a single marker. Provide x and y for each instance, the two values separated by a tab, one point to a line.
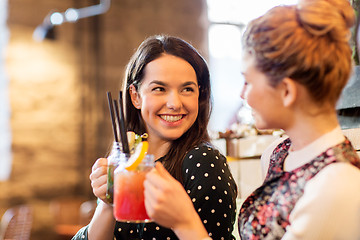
124	141
123	130
111	108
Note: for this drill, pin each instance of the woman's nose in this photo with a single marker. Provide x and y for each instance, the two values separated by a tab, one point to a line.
174	101
243	93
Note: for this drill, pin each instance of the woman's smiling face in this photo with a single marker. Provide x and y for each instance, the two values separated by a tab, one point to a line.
167	97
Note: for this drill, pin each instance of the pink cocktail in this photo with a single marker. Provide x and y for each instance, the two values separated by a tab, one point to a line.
129	194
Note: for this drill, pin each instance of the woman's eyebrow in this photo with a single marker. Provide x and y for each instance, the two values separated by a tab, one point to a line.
189	83
158	82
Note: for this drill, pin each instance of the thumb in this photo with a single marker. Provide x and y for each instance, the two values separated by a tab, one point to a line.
162	171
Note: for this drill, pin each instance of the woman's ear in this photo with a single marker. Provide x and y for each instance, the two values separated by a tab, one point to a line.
135	97
289	91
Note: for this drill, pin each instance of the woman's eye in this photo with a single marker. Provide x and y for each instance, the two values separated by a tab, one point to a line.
189	89
158	89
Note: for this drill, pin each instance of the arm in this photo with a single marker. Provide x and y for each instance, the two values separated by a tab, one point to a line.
103	223
169	205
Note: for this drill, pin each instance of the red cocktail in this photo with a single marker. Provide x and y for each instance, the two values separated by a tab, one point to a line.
129	194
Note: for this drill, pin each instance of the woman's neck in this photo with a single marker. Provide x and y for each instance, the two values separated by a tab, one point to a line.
306	130
158	147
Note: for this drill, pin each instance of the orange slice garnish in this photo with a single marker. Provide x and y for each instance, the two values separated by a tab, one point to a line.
136	158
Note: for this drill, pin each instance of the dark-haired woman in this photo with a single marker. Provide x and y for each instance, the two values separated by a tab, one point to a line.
167	96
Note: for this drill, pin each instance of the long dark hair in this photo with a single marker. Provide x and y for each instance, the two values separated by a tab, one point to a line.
149	50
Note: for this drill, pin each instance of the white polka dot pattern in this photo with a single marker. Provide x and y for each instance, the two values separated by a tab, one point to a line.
209	183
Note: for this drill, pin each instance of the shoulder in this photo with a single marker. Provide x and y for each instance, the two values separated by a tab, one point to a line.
205	171
204	153
331	198
335	183
206	163
338	174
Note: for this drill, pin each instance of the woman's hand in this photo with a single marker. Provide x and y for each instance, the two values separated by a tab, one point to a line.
165	198
168	204
98	178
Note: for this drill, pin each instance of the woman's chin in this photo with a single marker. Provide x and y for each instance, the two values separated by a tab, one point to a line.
171	136
260	125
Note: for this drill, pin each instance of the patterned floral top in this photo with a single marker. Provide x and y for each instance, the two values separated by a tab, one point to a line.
265	213
212	189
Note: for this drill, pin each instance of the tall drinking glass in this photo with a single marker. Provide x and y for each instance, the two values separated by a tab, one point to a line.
113	162
129	203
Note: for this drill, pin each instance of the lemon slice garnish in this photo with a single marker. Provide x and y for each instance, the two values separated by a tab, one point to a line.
136	158
131	139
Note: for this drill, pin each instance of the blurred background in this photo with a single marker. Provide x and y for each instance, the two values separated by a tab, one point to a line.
55	70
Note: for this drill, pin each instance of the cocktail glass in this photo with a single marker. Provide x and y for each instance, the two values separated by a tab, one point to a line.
113	162
129	191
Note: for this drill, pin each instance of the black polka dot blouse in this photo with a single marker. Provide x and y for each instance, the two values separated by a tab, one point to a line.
212	189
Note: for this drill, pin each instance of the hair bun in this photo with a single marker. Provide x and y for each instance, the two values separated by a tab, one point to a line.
333	17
